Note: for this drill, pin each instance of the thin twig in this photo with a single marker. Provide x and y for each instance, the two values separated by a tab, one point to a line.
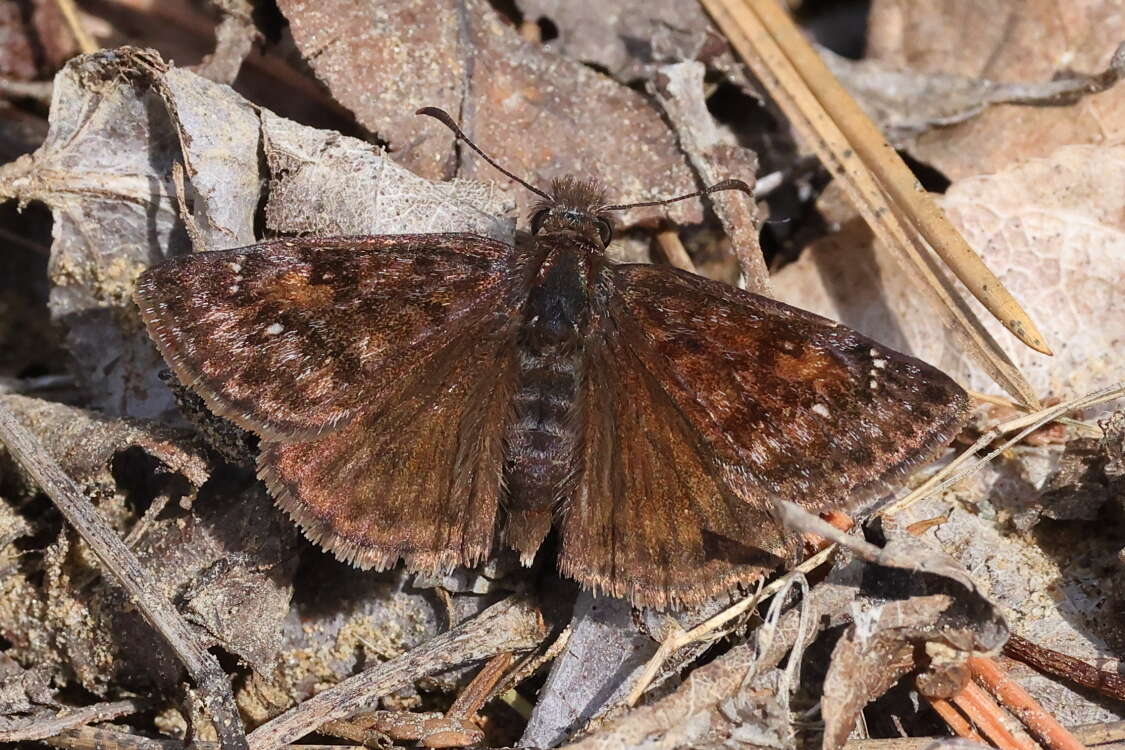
953	719
39	727
457	727
1089	734
1022	705
511	625
676	641
1065	667
101	738
680	91
709	685
213	684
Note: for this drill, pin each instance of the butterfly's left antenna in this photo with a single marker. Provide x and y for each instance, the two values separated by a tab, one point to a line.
443	117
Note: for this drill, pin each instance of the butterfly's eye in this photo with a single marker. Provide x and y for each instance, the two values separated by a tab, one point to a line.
605	230
537	220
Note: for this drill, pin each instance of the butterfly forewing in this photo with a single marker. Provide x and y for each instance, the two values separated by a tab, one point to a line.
794	406
703	404
293	337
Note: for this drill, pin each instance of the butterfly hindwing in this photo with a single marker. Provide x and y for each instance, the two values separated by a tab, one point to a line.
418	480
650	518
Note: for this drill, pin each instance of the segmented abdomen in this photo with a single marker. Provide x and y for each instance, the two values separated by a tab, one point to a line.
543	432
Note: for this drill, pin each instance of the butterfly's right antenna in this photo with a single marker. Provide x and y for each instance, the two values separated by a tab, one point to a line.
443	117
724	185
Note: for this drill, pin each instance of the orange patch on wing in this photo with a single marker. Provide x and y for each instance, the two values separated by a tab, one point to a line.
294	288
809	365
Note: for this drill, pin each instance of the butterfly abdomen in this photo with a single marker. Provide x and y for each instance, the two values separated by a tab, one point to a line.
543	432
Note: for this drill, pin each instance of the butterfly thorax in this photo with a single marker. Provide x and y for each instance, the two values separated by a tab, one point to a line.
542	436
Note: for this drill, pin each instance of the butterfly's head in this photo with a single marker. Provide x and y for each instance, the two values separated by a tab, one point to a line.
574	205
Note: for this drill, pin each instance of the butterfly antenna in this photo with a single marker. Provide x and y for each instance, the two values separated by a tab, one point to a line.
443	117
724	185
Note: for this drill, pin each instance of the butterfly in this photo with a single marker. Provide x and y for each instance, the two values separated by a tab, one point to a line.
426	398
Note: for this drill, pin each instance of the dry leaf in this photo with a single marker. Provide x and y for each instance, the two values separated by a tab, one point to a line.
631	39
1005	41
906	103
538	114
603	656
1051	583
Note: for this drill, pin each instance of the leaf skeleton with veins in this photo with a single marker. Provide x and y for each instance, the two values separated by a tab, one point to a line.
423	397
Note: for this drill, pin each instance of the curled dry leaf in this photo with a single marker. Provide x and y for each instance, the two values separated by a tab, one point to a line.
1052	230
906	103
1011	41
119	120
323	184
95	450
930	603
541	115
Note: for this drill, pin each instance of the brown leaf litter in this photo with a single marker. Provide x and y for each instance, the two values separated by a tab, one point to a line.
1030	543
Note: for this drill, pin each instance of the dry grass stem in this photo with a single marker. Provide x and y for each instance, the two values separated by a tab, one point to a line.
896	178
673	249
964	465
86	43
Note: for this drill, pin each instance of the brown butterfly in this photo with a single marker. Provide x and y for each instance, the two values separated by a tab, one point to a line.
423	397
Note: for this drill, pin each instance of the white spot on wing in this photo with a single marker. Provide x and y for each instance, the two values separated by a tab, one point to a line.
822	410
274	328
